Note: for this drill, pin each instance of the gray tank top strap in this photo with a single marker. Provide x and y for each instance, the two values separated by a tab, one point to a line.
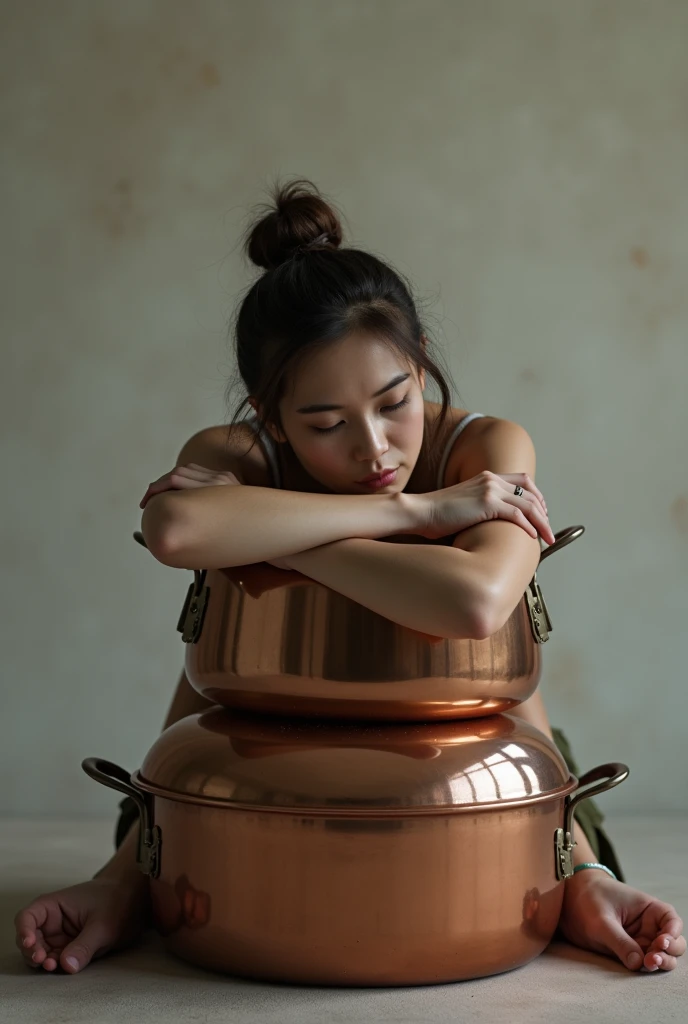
268	445
450	443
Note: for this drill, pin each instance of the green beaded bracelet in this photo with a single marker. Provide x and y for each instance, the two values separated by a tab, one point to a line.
579	867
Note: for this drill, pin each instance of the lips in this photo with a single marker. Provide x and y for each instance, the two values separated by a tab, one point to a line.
380	479
375	476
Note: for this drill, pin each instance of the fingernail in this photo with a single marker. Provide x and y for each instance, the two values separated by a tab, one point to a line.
73	962
665	943
657	959
633	960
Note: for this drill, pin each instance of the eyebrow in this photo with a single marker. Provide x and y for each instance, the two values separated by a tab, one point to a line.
327	408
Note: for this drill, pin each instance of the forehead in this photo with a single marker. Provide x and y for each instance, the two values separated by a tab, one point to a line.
356	365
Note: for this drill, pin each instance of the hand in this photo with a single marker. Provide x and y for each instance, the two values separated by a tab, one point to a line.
185	477
485	497
611	918
71	927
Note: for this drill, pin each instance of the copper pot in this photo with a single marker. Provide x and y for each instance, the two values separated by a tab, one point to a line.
367	854
268	640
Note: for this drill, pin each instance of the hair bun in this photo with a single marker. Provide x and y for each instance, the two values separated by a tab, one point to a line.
298	219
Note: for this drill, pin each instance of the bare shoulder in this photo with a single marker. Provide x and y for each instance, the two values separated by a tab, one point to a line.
490	443
228	448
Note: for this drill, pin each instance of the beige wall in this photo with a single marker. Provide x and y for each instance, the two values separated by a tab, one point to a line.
525	162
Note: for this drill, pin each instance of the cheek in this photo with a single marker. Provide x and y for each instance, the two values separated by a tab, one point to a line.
323	461
410	431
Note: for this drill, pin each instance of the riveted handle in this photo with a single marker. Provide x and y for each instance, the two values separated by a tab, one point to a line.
610	775
150	839
606	776
561	539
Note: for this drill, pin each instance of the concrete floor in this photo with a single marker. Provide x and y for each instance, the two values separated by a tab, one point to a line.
147	986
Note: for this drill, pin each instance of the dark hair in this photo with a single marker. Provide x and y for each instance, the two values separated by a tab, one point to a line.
314	292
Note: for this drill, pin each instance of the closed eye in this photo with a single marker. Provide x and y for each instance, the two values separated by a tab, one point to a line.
385	408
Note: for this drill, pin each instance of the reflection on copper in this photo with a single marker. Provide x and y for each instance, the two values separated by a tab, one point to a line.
253	760
356	853
277	642
361	811
179	905
541	912
195	905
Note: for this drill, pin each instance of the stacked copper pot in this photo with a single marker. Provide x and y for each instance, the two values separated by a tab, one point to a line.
358	807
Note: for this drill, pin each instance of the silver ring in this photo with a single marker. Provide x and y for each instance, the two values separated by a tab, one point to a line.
519	490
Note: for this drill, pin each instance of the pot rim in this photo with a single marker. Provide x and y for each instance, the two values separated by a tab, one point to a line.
314	810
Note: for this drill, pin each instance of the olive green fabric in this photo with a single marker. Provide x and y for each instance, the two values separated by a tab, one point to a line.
587	815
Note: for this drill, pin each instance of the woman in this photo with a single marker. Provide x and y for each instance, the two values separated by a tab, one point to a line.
331	351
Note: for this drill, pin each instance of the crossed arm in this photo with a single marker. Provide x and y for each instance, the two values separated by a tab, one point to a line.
467	590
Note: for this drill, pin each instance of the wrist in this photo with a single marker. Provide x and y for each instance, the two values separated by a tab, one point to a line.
409	511
122	866
593	869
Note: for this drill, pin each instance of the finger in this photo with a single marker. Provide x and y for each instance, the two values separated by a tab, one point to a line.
537	522
39	955
666	943
78	954
514	515
27	954
670	923
659	962
669	927
525	481
28	923
536	517
180	477
48	959
620	943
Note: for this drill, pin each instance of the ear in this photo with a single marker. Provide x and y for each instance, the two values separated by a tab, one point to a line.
274	432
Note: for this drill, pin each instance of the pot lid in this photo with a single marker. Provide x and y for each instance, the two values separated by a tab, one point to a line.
256	761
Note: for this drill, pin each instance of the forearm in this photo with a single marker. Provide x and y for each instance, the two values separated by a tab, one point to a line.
433	589
218	527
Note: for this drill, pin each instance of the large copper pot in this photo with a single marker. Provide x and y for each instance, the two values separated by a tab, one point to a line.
268	640
366	854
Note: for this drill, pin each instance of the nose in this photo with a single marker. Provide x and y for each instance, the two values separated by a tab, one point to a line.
371	443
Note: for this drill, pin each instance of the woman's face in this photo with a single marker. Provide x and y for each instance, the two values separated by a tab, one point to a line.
355	408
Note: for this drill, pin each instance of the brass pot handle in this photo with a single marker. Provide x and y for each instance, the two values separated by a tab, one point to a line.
610	775
606	776
561	539
111	775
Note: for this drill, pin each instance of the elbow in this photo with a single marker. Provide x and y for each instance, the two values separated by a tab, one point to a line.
486	618
483	627
491	614
161	531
